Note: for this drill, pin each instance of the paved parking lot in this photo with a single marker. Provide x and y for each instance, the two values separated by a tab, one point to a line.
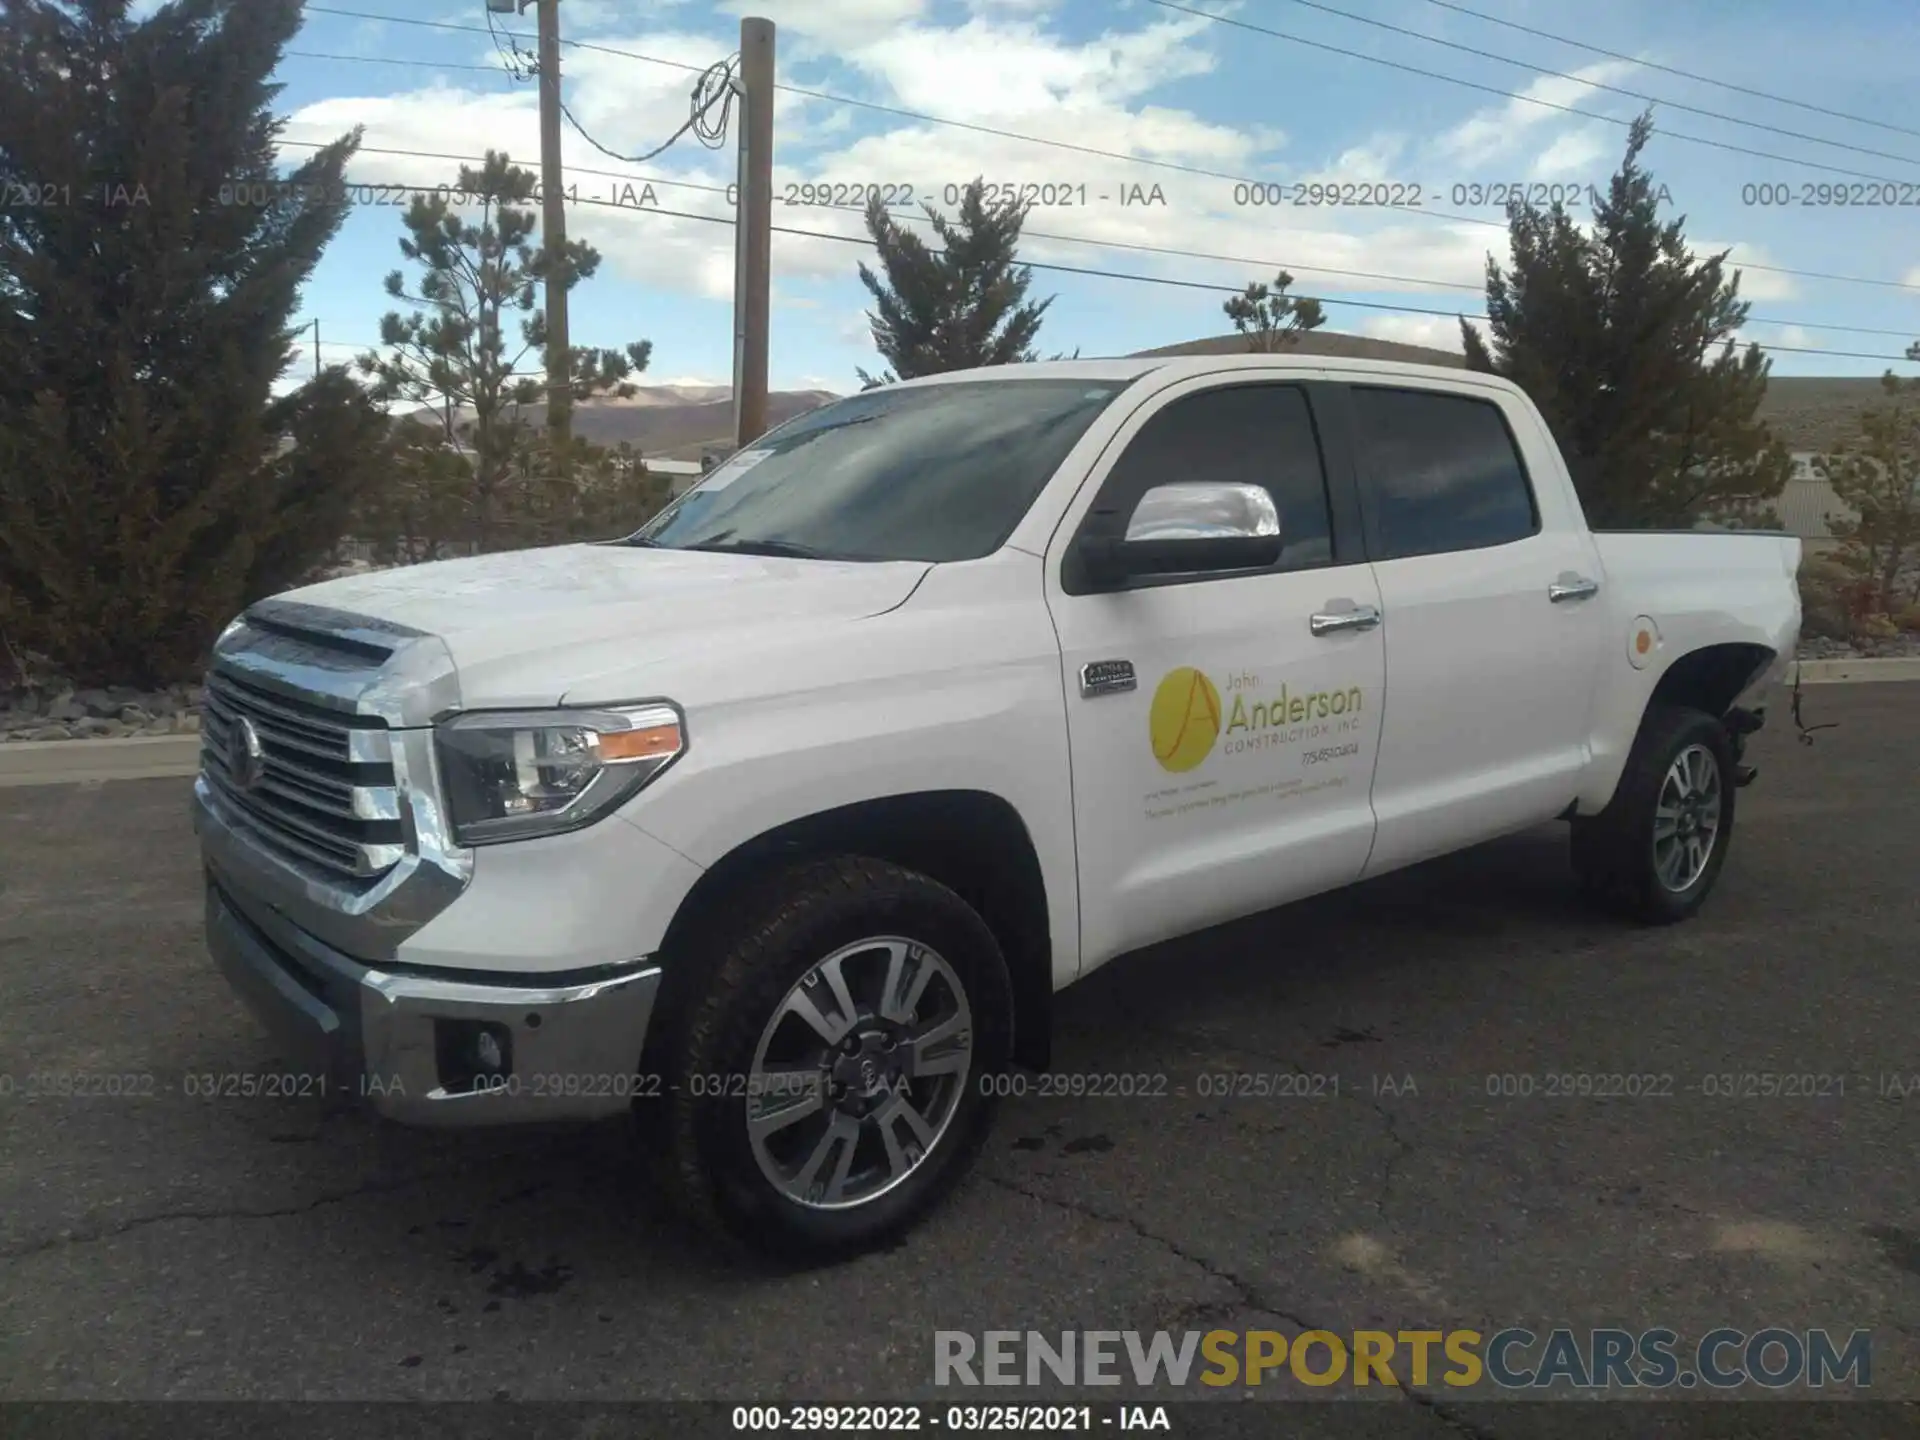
167	1246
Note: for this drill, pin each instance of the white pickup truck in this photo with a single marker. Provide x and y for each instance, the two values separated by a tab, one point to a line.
780	822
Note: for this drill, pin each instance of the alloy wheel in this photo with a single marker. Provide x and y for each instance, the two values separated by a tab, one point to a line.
1686	818
859	1072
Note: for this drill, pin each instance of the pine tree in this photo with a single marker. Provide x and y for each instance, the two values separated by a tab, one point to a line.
151	255
961	306
476	275
1624	339
1270	318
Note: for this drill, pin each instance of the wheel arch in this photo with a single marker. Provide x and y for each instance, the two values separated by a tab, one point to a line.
972	841
1710	678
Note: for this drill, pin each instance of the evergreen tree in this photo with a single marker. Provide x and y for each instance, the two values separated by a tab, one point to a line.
1624	339
476	275
962	306
1270	318
151	255
1878	475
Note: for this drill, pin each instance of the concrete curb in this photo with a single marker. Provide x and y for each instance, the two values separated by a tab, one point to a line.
69	762
1838	672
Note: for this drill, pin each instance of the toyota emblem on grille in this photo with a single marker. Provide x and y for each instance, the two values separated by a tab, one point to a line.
246	756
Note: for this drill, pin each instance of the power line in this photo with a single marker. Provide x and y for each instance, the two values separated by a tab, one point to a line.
716	83
899	113
1142	160
1673	70
1506	94
1215	287
1599	85
1170	251
391	60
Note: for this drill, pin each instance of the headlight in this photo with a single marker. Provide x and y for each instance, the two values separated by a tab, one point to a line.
510	775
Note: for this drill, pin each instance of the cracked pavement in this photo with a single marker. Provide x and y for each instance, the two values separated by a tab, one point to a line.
162	1246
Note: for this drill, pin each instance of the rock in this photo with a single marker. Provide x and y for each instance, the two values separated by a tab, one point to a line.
66	709
96	702
135	715
51	732
163	726
187	724
94	727
125	695
25	702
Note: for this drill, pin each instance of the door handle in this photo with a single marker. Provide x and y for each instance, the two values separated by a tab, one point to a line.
1572	587
1363	617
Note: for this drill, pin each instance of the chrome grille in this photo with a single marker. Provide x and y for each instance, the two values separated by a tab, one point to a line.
326	795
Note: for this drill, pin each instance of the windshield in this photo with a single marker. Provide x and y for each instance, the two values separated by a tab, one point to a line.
934	473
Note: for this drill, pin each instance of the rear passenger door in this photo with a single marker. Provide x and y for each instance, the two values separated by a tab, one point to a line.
1488	581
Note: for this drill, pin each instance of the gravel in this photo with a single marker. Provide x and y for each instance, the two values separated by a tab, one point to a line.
1819	647
50	708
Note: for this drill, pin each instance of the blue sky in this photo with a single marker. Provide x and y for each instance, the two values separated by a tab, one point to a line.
1144	80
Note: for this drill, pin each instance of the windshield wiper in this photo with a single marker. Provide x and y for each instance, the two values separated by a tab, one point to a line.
784	549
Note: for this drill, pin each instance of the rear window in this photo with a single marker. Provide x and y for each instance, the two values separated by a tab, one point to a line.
1445	471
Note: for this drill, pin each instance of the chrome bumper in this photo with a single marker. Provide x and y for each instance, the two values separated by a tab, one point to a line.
571	1050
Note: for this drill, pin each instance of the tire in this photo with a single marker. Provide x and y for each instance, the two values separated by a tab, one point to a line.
1620	860
744	1046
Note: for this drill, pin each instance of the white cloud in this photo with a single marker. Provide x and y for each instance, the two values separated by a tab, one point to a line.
831	22
1000	70
1436	332
1912	277
1578	155
1754	284
1789	336
1496	132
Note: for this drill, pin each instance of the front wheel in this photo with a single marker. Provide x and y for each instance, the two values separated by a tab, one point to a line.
834	1072
1657	849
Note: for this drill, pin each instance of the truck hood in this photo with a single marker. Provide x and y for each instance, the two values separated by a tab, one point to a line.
518	624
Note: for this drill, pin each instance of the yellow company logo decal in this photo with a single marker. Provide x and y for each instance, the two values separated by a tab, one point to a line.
1184	720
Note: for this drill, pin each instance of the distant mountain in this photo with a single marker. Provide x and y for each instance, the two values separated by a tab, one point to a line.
670	422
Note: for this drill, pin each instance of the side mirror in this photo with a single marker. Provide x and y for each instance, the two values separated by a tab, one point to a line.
1189	528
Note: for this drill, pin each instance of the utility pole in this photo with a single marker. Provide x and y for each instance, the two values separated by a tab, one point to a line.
316	349
553	238
753	233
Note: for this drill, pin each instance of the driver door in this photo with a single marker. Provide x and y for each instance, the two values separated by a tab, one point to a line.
1223	719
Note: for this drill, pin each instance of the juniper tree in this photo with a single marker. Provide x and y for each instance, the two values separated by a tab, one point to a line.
1625	340
151	255
961	305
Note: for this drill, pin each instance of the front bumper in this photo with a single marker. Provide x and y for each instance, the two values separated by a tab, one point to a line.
569	1046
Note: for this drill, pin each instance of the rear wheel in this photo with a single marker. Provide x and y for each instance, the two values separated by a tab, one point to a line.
1655	852
833	1076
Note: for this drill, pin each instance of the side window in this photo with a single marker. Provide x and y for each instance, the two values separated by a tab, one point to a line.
1444	471
1258	434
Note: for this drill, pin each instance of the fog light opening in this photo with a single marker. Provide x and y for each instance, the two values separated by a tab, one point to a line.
472	1054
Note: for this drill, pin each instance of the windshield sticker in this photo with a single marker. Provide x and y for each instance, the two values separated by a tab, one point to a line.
726	474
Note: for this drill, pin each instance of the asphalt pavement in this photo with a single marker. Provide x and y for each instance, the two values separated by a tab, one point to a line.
1450	1167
